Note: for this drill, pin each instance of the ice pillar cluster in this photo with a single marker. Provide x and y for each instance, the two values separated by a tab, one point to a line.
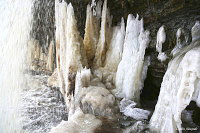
132	69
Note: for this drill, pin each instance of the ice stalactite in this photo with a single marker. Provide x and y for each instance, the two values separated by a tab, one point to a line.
114	53
130	73
181	85
180	41
70	51
161	38
92	31
16	17
104	37
50	61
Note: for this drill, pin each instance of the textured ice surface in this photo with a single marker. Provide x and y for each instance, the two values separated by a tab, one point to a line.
181	85
129	77
128	108
114	53
78	123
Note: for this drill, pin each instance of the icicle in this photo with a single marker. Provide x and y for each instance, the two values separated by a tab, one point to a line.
129	73
161	38
180	41
105	37
50	60
196	31
91	35
180	85
116	48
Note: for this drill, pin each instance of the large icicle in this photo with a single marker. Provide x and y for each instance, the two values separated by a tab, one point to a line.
161	38
130	75
70	56
91	32
104	38
114	54
180	85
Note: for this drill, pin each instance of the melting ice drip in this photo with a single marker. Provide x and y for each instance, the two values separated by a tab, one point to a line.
181	85
15	27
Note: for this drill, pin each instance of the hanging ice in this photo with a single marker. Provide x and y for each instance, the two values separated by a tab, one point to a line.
161	38
104	38
114	53
92	31
180	41
131	71
181	84
71	55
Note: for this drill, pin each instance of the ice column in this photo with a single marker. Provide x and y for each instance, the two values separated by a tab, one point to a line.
130	73
92	31
104	38
114	54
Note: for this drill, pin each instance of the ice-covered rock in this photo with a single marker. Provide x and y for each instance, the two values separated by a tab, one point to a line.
138	127
78	123
128	108
92	99
130	73
181	85
161	38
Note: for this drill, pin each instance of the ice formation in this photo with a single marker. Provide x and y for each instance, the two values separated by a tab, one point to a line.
71	55
114	53
180	41
50	61
92	99
161	38
92	31
128	108
131	70
16	17
180	85
104	37
78	123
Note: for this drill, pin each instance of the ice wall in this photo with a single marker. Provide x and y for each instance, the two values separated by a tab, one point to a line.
15	26
181	84
130	73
